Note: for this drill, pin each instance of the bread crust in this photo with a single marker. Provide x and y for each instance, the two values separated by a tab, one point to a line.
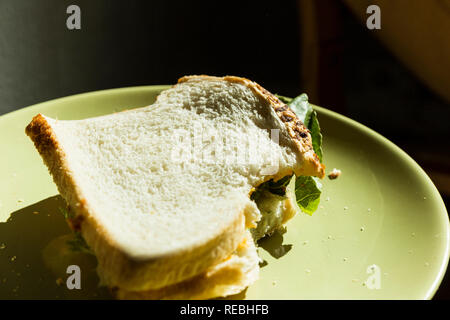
298	132
115	267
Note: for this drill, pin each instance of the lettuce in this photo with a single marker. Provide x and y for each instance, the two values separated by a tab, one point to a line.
278	188
316	135
78	244
307	189
302	108
308	116
66	213
307	193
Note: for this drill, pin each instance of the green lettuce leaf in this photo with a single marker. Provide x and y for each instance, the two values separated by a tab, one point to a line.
316	135
302	108
78	244
307	189
305	112
68	214
307	192
308	116
278	188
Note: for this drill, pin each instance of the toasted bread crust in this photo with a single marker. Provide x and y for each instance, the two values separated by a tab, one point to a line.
116	268
299	134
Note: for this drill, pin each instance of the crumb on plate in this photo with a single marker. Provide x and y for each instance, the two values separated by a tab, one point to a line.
334	174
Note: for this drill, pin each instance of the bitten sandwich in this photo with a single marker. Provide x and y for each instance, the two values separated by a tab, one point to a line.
172	197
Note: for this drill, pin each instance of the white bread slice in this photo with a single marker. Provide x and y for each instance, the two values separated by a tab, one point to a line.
152	219
228	278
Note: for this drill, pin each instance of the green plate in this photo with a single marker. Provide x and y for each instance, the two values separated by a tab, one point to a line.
381	231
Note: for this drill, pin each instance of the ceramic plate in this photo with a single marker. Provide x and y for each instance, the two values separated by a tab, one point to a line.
381	231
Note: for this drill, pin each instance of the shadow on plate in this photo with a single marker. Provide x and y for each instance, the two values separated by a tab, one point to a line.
273	244
34	256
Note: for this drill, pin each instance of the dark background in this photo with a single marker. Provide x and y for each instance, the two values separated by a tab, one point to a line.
129	43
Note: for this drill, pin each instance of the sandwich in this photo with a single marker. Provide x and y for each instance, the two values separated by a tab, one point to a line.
171	198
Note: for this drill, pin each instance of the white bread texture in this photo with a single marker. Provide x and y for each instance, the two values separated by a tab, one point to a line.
161	193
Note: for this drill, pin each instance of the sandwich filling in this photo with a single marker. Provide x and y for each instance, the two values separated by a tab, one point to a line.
275	201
